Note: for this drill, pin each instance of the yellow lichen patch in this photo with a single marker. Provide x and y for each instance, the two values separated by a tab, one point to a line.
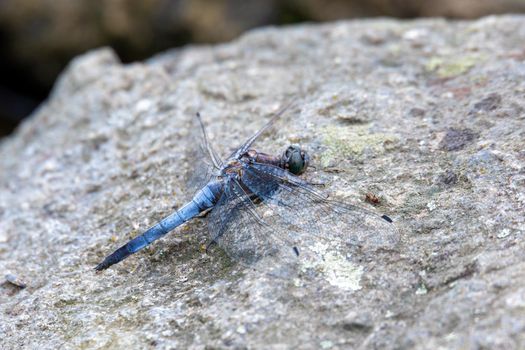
343	142
448	67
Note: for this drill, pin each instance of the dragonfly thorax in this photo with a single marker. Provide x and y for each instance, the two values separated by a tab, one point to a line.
233	168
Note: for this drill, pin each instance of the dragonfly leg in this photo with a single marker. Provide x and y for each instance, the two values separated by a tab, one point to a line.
203	214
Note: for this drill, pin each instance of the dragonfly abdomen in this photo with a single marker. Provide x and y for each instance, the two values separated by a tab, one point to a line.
203	200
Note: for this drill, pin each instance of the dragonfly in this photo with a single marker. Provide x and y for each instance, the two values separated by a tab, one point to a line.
259	208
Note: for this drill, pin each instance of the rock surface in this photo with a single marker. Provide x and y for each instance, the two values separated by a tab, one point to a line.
423	119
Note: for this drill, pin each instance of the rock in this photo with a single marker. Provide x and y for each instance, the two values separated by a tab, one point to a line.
456	139
489	103
112	152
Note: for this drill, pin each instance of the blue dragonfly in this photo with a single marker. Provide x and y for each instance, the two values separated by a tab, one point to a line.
259	208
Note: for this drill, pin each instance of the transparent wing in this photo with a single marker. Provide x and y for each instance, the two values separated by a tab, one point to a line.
295	228
236	225
201	171
206	159
301	204
247	144
201	164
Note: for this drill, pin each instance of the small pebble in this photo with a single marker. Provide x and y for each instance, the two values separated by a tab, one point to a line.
15	280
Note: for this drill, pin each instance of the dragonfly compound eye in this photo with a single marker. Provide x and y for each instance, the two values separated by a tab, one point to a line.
295	159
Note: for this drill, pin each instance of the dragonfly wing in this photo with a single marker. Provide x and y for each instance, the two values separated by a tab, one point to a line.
247	144
199	158
241	228
304	223
287	227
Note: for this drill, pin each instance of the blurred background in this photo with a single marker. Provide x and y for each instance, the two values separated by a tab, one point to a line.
39	37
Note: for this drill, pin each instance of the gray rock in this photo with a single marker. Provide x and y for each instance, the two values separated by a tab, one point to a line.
112	151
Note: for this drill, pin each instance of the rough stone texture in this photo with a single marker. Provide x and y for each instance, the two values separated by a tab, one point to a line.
424	119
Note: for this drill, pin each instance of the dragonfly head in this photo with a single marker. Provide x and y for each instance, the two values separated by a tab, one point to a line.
295	159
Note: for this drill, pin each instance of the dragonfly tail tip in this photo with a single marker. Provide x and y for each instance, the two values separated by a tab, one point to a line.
102	266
